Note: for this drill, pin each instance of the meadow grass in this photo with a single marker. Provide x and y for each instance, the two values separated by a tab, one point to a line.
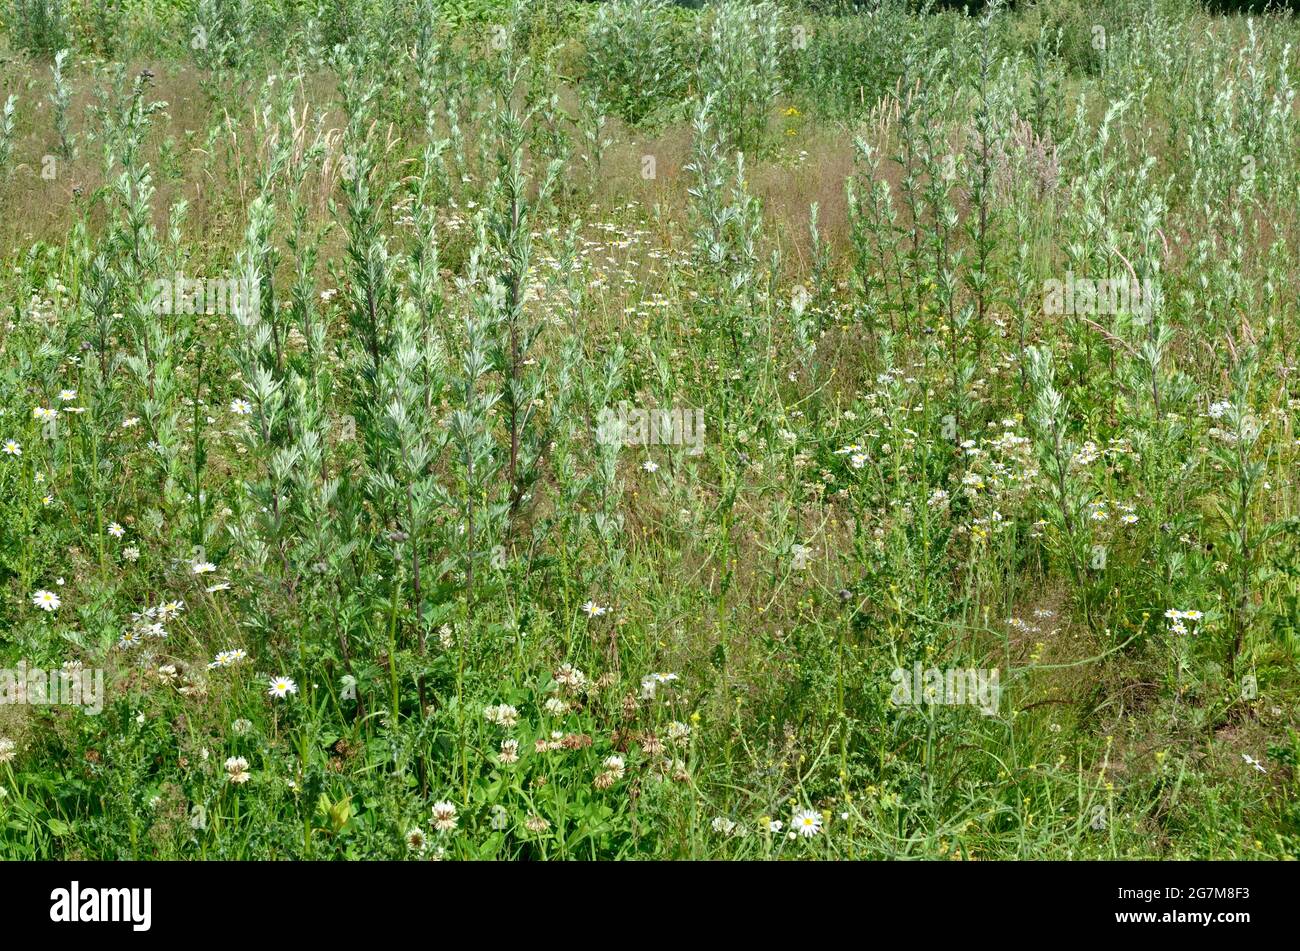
614	431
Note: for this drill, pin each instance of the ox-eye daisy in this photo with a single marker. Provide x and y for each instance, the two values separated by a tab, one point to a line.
282	687
46	600
806	822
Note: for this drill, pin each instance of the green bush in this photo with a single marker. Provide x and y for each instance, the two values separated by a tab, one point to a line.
38	26
636	57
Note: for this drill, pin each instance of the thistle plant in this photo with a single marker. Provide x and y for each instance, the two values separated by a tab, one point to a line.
876	235
60	98
1057	460
7	134
1236	451
595	143
727	222
374	285
511	224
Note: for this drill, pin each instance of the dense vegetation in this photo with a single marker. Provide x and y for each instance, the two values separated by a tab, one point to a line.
322	321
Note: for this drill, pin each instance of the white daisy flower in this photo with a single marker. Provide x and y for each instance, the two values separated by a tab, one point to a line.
46	600
806	822
282	687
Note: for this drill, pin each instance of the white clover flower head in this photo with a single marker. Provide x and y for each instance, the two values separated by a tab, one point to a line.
503	715
237	768
444	816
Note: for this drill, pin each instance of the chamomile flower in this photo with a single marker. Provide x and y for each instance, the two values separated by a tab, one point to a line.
241	407
281	687
593	610
46	600
67	396
203	568
806	822
116	530
168	609
11	448
650	466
